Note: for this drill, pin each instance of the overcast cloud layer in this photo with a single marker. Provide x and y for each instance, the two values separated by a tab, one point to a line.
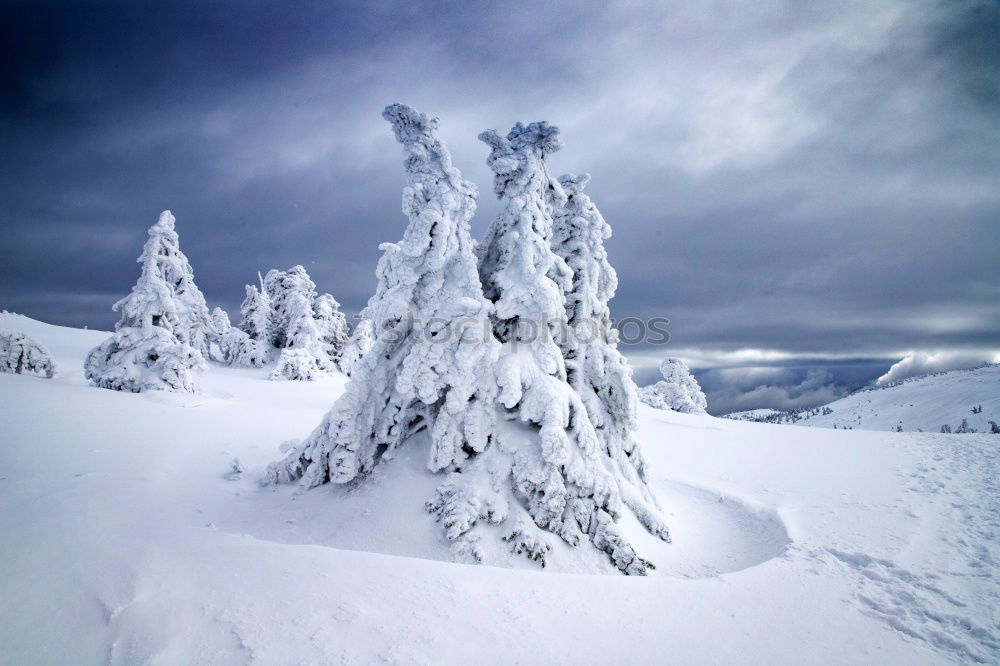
811	180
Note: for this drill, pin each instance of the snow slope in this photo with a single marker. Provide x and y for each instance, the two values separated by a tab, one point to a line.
921	403
128	539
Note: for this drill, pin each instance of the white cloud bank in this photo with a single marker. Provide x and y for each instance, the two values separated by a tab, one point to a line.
917	363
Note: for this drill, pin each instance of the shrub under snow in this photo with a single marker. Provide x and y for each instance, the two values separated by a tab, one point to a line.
678	390
21	353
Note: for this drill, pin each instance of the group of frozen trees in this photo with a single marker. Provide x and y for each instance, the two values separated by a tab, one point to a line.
20	353
504	354
286	319
166	331
678	390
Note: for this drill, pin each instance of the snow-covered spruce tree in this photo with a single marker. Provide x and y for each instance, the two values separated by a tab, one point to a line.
170	292
595	368
560	475
361	340
678	390
279	287
255	314
20	353
164	323
332	325
303	356
428	367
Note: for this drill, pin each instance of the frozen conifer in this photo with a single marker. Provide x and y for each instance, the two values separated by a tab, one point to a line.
165	328
332	325
678	390
594	367
559	475
428	365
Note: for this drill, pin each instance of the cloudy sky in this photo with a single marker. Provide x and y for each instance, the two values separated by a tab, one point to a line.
808	191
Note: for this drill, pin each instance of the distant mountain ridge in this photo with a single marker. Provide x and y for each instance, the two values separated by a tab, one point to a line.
952	401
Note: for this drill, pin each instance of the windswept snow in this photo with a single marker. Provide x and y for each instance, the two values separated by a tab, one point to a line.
130	538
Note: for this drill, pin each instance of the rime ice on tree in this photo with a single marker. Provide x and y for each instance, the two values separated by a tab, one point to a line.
561	476
20	353
594	367
164	328
428	366
678	390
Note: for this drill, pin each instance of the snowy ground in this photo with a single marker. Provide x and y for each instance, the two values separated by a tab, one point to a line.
126	539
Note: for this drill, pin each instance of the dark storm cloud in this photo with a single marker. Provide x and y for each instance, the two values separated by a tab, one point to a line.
818	178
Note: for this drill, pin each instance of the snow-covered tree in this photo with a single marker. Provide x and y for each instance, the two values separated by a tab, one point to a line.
165	327
361	340
280	286
303	356
560	474
21	353
145	358
595	368
678	390
332	325
166	294
255	314
428	367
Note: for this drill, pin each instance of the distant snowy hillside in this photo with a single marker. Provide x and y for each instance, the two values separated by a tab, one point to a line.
917	404
132	534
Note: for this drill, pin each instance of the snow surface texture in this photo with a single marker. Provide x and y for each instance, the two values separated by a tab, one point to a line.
916	404
139	544
165	331
20	353
678	390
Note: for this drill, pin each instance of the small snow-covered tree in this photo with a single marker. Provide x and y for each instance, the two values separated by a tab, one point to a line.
428	365
595	368
165	328
280	286
255	314
560	474
361	340
678	390
304	356
332	325
166	294
21	353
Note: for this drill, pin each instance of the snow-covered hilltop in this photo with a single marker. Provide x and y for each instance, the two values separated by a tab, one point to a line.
125	519
926	403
